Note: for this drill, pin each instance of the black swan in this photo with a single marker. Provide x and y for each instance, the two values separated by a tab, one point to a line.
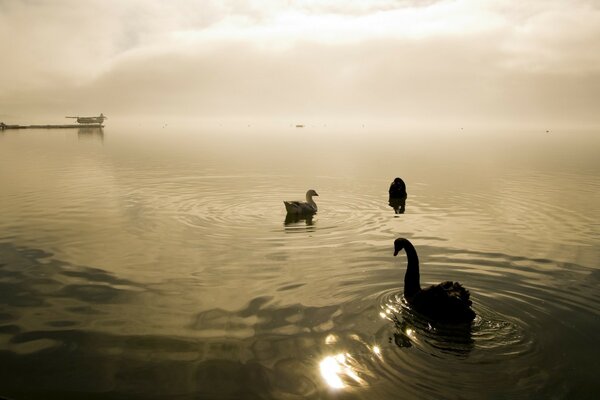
445	302
397	199
301	207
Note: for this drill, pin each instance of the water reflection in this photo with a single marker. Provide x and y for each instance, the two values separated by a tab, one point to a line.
339	368
33	279
398	205
350	361
412	329
295	219
90	133
449	339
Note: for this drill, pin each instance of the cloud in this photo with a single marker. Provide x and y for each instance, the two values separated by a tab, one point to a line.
432	59
559	38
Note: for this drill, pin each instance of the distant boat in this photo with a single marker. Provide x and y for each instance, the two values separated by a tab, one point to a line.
299	126
90	120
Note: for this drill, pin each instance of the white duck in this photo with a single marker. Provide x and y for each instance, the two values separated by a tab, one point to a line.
302	207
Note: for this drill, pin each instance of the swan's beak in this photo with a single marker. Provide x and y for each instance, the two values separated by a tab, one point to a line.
396	251
316	194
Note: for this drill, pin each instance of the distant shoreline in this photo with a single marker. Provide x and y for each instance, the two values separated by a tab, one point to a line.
4	126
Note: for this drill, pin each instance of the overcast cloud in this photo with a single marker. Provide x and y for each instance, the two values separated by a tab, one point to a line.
462	60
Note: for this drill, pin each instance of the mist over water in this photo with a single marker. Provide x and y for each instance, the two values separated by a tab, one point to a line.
157	262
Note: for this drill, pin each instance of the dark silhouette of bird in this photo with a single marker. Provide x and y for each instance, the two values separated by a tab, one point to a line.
302	207
446	302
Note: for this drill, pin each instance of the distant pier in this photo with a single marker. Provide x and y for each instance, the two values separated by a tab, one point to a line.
4	126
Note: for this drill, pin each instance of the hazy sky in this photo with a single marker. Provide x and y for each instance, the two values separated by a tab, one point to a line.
460	61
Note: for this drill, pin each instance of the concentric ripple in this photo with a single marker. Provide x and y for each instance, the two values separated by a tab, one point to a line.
509	328
226	208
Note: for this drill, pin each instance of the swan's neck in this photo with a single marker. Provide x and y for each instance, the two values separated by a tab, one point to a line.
411	278
309	200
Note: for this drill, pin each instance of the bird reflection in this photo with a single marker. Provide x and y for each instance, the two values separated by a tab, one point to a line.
292	219
412	329
398	205
404	334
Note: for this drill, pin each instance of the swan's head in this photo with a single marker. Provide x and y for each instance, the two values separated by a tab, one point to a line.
311	193
399	245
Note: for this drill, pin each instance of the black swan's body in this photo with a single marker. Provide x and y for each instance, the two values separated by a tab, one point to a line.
445	302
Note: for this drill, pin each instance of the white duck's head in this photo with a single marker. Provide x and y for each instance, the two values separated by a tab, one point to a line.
310	194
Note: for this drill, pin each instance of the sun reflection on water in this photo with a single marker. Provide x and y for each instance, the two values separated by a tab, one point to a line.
377	351
330	370
342	369
335	368
389	311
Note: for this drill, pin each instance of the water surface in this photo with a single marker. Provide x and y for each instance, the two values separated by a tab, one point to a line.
157	262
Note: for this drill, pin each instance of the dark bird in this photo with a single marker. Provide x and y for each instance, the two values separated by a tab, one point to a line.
445	302
302	207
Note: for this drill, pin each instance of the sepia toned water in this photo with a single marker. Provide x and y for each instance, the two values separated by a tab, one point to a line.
156	262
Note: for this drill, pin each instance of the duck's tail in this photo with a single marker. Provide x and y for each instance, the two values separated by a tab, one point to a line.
289	207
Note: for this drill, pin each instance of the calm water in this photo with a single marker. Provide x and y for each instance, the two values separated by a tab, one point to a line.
148	262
